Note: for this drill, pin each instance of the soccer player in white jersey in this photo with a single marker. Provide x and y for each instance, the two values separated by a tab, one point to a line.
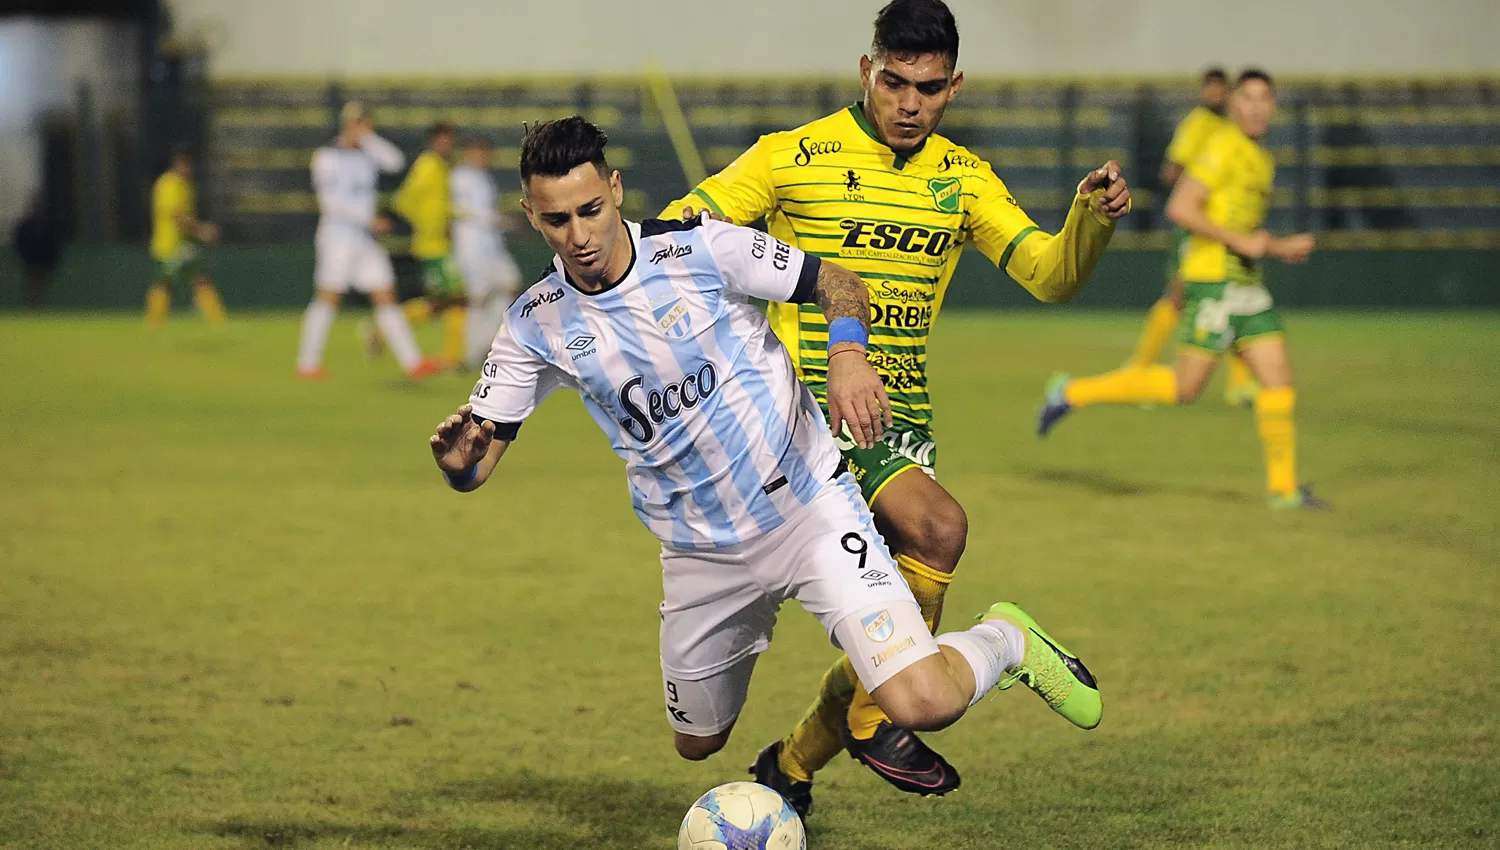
729	459
490	276
344	174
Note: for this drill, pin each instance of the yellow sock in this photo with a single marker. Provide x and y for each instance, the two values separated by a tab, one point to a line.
815	740
209	304
928	586
1131	385
158	304
417	310
454	320
1238	377
1161	322
1278	437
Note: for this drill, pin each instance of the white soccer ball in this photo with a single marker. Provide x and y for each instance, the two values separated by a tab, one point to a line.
741	816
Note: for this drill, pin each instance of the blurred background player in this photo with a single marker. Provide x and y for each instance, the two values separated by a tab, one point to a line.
423	199
344	175
176	233
38	246
874	187
1205	119
489	274
1221	200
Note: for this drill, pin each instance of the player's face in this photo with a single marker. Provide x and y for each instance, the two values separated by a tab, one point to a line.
183	165
442	145
1254	105
579	216
476	156
1214	94
905	96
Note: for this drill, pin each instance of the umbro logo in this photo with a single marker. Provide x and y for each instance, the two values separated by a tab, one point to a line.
873	575
582	345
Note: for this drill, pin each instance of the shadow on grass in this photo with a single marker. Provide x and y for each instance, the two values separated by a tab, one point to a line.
1105	484
614	815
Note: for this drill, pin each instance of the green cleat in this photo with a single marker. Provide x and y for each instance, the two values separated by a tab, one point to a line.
1056	675
1300	500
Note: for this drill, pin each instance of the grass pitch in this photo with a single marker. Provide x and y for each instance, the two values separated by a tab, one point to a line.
240	611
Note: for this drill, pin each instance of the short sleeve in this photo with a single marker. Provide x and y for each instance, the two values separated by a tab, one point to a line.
996	221
1186	140
742	193
760	265
1212	165
512	383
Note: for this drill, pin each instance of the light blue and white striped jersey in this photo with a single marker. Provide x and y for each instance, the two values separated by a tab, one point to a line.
684	376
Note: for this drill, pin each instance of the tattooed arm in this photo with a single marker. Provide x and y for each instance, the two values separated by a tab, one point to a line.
856	396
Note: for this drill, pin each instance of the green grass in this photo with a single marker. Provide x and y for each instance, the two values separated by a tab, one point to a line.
239	611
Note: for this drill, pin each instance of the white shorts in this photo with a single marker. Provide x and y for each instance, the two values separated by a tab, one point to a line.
345	260
720	606
486	272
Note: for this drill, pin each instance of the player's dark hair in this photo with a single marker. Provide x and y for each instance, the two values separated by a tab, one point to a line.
914	28
553	148
1254	74
1216	75
441	128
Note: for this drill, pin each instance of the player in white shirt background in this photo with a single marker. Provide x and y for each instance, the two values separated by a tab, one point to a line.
491	278
344	176
729	459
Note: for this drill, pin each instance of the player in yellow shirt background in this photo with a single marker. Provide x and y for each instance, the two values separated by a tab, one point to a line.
1205	119
176	234
874	188
1221	200
425	201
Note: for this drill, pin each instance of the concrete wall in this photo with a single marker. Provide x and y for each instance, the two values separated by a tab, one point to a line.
791	37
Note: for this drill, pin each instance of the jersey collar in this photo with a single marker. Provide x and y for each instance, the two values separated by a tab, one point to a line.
857	112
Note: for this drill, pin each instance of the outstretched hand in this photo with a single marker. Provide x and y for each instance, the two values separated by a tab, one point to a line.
460	442
689	213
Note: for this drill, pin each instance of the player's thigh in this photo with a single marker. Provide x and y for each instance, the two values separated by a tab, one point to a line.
1194	367
921	519
371	268
1269	361
707	707
714	617
333	264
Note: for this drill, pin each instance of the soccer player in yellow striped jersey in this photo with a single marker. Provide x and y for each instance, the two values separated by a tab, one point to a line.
874	188
424	200
176	233
1206	119
1221	200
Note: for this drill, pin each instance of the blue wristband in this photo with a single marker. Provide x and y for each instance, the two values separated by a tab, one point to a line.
845	329
461	479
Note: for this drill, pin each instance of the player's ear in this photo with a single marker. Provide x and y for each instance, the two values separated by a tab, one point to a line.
530	215
617	189
866	68
955	85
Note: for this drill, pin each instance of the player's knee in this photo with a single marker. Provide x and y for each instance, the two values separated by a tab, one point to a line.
1188	393
922	711
695	748
941	533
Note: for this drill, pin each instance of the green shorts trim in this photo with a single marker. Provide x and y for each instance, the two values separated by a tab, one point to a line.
896	452
1224	315
181	267
1176	250
440	278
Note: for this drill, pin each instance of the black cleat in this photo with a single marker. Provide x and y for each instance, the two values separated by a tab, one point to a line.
767	771
900	758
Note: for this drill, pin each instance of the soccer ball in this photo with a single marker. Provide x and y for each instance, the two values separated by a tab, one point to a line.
741	816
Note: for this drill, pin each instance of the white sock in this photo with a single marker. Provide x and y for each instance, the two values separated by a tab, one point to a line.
316	323
398	336
991	648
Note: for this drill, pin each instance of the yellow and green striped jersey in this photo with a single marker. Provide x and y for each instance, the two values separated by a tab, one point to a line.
833	189
1192	133
423	200
172	198
1238	173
